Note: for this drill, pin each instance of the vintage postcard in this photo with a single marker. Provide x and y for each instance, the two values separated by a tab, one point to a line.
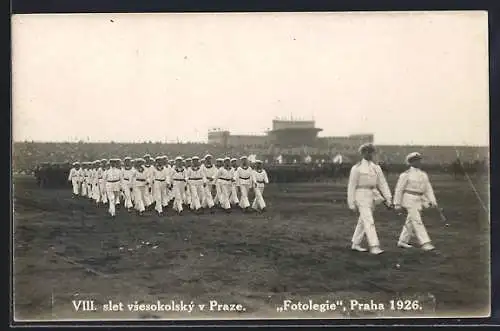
250	166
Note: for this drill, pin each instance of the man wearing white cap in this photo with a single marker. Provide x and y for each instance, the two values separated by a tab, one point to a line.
367	187
139	185
95	181
225	181
260	179
160	180
219	163
84	179
187	192
120	193
243	178
209	171
74	178
103	197
148	168
196	182
169	169
127	173
233	199
113	185
179	179
414	192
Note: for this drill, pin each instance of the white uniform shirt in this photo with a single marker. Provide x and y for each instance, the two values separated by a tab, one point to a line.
209	173
113	177
100	174
196	175
179	175
160	175
127	175
414	182
149	173
243	176
223	176
366	175
260	178
139	178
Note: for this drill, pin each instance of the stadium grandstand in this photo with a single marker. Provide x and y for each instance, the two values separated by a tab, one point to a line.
288	142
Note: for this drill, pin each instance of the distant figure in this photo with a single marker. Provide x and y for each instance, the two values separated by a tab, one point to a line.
458	170
209	172
366	184
196	184
233	199
414	192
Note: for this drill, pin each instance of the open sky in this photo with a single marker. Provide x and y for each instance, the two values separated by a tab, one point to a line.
406	77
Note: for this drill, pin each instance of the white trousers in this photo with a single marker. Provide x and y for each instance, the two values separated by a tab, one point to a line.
127	195
366	223
95	192
244	189
179	195
225	192
187	196
76	186
84	189
160	195
258	202
234	195
413	225
197	195
103	196
208	200
217	198
113	193
139	197
148	196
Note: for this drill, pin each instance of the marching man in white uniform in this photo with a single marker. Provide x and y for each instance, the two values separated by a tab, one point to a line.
234	191
366	184
196	184
84	179
148	168
95	181
103	198
219	163
139	185
243	179
260	179
74	178
112	176
179	179
127	173
414	192
225	182
187	191
160	179
209	171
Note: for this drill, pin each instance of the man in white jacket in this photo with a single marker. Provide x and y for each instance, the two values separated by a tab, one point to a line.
74	178
243	179
260	179
414	192
367	187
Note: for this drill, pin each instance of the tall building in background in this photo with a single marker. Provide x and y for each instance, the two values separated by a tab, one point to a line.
286	134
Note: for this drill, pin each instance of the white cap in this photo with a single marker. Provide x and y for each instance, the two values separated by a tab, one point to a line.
227	159
127	158
195	158
258	161
243	158
76	163
139	159
179	158
233	159
208	156
219	159
413	156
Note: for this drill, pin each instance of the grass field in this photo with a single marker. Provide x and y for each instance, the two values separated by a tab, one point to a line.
67	249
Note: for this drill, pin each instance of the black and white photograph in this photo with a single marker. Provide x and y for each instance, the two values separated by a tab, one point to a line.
250	166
